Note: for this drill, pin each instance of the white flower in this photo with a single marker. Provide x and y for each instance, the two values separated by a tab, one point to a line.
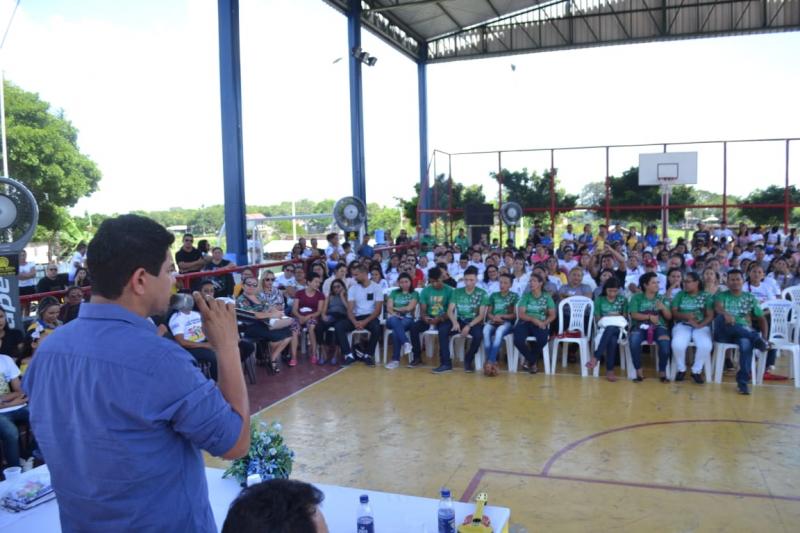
278	426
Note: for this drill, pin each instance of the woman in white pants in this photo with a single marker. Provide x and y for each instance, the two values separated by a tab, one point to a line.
692	310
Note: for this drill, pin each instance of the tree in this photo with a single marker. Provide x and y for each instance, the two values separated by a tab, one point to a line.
625	190
43	154
439	197
771	195
533	190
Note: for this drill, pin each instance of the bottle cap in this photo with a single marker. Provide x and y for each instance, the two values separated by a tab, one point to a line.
445	493
364	498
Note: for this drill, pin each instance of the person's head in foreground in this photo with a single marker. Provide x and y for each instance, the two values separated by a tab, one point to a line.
131	264
277	506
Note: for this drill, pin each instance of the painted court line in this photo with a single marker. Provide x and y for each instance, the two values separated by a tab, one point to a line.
545	473
295	393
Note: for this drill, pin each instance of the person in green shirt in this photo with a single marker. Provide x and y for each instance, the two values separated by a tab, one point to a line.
735	311
466	311
609	303
499	321
649	314
400	307
462	241
536	310
692	310
433	303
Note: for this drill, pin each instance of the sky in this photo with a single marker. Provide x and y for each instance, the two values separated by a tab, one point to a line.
140	81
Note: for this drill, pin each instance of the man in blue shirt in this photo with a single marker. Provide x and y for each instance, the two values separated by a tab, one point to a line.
365	250
120	413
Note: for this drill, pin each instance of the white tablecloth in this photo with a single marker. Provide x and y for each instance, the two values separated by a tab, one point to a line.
394	513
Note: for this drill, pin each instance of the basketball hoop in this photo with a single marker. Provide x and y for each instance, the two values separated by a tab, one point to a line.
666	183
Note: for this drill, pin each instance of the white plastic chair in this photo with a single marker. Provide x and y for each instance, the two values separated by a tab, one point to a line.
792	294
480	355
577	321
718	359
780	337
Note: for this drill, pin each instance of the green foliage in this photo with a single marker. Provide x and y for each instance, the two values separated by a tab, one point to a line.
533	190
439	195
773	194
43	154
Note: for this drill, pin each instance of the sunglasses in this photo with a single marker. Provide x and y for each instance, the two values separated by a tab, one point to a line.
269	279
251	284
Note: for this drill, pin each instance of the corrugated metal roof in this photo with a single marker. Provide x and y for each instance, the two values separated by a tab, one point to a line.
444	30
431	19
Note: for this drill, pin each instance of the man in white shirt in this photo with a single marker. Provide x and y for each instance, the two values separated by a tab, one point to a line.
334	252
364	306
723	233
78	260
568	236
305	251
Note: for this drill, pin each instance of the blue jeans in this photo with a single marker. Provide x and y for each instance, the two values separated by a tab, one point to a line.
9	434
493	337
661	338
608	346
399	326
443	330
746	338
524	330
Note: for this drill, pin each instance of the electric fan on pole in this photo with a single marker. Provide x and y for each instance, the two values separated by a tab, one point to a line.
511	214
350	215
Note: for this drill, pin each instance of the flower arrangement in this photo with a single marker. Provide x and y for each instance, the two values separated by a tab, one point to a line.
269	457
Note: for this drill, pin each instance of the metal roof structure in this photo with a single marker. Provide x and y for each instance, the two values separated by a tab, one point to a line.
445	30
431	31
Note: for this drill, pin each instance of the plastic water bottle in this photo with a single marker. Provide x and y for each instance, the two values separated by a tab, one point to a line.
366	522
447	513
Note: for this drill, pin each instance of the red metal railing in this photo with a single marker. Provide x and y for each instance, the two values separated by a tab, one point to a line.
607	206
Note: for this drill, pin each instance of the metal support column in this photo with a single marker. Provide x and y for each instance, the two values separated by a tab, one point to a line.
786	199
725	182
422	91
230	84
608	189
356	103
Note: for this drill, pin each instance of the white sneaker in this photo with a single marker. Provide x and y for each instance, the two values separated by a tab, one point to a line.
391	365
407	349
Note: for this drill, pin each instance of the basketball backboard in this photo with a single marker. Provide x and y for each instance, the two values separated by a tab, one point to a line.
679	168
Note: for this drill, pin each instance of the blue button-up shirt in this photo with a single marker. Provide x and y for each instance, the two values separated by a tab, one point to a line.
120	415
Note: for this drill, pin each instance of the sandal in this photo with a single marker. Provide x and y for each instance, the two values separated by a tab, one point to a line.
610	376
275	367
591	364
293	362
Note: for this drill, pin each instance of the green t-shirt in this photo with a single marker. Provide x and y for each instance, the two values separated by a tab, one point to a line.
640	304
741	307
402	299
467	305
436	300
503	305
463	243
602	307
697	304
536	307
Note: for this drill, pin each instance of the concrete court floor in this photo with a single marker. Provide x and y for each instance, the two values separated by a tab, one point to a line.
565	453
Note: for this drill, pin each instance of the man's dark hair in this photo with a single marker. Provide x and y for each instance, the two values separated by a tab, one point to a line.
312	276
471	271
185	234
434	274
120	247
205	282
735	271
275	506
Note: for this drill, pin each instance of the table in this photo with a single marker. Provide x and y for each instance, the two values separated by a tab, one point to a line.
394	513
